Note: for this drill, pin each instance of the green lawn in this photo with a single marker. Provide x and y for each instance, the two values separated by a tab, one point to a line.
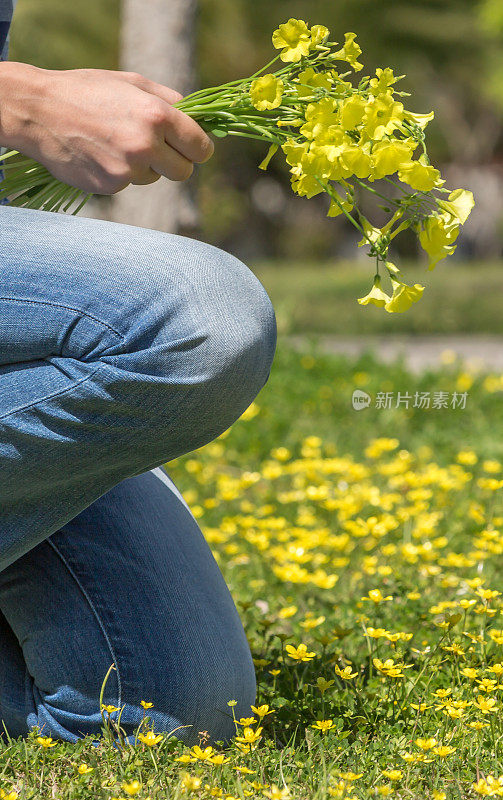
365	536
460	297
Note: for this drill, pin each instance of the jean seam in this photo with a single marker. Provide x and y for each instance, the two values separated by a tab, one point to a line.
50	396
97	616
67	308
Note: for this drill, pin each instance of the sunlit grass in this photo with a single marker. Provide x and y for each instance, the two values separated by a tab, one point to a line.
460	297
364	552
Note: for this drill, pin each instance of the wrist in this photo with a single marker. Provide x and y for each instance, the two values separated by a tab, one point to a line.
22	89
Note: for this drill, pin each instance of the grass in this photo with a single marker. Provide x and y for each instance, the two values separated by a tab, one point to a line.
460	297
347	538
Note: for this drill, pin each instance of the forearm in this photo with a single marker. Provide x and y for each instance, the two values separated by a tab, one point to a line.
21	89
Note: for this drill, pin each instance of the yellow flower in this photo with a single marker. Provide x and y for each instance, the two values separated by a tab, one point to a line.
420	175
190	782
319	35
338	205
266	92
145	704
390	668
443	750
150	738
109	709
345	673
385	78
262	711
403	296
202	755
388	155
84	769
437	237
486	704
46	741
426	744
309	80
323	725
421	120
287	611
132	788
350	52
275	793
458	205
376	596
356	160
12	795
469	672
393	774
382	116
294	37
352	112
299	653
376	296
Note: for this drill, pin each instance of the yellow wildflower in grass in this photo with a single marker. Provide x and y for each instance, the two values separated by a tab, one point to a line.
150	738
443	750
246	720
262	711
46	741
109	709
393	774
132	788
390	668
84	769
275	793
145	704
384	790
299	653
469	672
376	596
345	673
190	783
425	744
489	786
312	622
293	39
8	795
487	705
202	755
266	92
323	725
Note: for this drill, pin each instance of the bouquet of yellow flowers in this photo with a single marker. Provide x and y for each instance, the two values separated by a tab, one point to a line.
338	136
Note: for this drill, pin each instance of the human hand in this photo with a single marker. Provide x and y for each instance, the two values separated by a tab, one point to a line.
98	130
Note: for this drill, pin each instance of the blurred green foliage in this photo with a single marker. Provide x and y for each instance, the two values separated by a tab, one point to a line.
450	51
58	34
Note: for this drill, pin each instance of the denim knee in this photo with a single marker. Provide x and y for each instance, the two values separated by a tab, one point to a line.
200	339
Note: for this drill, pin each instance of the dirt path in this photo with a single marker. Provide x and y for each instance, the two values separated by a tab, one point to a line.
420	352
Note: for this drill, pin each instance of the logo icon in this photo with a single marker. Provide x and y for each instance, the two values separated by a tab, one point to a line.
360	399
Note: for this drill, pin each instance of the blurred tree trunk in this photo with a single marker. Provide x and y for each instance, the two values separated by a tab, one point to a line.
157	40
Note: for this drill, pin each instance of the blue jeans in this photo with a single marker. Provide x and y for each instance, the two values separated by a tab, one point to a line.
121	348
